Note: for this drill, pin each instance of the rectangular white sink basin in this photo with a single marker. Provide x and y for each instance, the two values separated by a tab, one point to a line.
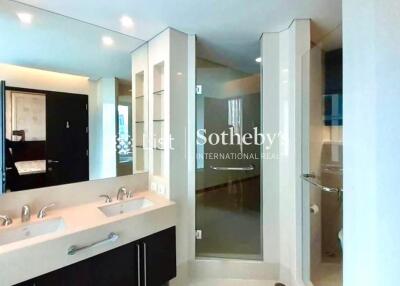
126	206
29	230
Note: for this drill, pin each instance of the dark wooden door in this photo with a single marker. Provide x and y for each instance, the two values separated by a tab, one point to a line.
159	258
67	141
3	135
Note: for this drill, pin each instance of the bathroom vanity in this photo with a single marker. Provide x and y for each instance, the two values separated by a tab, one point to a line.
149	261
124	242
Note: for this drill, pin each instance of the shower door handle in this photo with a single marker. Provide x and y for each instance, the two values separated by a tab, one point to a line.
248	168
310	179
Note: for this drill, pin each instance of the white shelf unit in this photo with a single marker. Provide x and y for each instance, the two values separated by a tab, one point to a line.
158	117
168	92
140	108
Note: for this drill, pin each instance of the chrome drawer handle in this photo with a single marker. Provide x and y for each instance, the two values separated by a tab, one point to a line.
112	237
248	168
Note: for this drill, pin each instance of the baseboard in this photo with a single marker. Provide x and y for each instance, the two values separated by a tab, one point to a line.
220	269
233	269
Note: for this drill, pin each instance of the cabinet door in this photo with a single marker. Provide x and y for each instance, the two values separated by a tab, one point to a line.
26	283
77	274
159	258
115	267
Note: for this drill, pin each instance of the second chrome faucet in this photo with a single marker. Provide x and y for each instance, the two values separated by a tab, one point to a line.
43	211
25	213
124	193
121	195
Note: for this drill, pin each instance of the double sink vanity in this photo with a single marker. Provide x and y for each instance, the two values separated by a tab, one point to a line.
128	239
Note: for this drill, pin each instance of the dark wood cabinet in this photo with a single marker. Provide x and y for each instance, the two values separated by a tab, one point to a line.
150	261
159	252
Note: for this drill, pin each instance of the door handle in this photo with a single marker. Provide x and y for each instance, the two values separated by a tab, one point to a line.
53	161
111	237
310	179
248	168
145	262
138	263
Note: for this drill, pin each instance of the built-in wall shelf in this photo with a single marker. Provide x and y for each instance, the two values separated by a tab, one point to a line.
140	94
158	111
167	58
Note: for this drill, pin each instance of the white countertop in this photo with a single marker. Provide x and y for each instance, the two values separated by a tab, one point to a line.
84	224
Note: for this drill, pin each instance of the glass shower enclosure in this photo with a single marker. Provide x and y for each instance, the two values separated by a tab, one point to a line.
228	197
323	162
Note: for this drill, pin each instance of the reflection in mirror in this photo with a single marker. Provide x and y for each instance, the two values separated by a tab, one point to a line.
68	113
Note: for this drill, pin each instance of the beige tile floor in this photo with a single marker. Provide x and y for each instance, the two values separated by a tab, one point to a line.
232	282
329	274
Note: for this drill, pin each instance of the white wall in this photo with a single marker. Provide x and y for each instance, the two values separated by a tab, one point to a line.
171	48
282	78
102	129
270	75
371	134
178	185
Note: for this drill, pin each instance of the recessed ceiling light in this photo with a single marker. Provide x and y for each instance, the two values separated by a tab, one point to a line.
258	60
107	41
126	22
25	18
179	73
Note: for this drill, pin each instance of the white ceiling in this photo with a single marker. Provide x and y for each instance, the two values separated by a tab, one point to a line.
57	43
228	30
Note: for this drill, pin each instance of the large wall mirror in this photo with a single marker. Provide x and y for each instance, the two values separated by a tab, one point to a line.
69	111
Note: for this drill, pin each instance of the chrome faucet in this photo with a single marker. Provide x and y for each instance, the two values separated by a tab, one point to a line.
43	211
6	220
121	194
107	197
25	213
129	194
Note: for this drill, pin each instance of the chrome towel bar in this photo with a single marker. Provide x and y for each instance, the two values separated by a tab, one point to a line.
249	168
309	178
110	238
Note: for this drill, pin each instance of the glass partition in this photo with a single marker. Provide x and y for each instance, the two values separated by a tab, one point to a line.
323	161
228	198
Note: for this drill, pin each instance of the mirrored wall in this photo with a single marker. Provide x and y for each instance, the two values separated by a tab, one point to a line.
70	113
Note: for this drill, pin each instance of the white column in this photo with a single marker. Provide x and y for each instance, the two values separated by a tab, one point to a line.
282	78
103	129
371	86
